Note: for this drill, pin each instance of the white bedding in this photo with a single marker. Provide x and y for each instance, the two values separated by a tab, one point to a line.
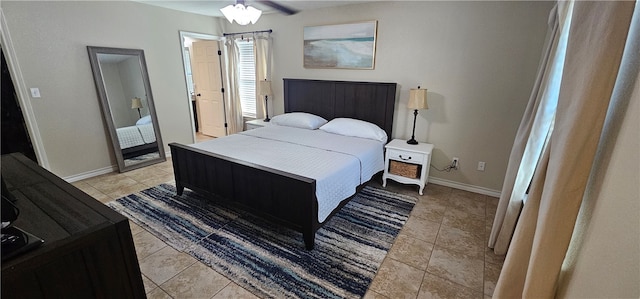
135	135
338	163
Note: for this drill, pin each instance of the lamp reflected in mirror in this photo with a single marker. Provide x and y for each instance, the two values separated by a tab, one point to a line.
136	103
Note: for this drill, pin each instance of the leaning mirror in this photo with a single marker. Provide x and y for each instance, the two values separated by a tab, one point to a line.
123	88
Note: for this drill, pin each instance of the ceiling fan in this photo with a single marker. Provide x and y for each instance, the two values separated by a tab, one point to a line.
275	5
244	14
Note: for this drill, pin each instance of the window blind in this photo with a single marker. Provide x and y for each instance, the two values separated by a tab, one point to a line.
247	78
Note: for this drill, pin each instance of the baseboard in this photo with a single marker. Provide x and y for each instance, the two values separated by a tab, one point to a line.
465	187
97	172
90	174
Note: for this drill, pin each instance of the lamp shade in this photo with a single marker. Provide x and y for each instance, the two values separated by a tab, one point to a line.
264	88
418	99
243	15
136	103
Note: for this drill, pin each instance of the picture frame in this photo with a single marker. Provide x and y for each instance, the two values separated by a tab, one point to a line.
341	46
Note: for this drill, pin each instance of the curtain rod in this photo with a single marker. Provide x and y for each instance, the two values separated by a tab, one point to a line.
246	32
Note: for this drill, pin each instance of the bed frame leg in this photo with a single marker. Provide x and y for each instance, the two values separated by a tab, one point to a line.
309	240
179	189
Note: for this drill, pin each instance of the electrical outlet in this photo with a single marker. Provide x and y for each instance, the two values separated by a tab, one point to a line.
481	166
35	92
454	163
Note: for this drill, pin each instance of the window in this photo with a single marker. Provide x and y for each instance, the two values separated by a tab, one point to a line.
187	67
247	78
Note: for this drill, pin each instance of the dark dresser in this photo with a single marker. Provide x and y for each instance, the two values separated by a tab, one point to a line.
88	249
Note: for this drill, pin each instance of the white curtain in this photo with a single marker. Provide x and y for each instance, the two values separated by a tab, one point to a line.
596	42
535	127
235	122
262	51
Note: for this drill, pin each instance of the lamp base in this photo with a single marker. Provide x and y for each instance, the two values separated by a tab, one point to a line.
266	119
412	141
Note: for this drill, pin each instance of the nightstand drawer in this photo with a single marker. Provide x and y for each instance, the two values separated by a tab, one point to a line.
404	156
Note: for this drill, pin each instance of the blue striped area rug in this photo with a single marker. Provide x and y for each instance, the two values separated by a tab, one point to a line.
270	260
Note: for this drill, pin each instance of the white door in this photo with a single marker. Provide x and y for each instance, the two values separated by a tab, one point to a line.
205	67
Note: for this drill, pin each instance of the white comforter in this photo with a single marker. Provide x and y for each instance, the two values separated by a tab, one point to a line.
135	135
338	163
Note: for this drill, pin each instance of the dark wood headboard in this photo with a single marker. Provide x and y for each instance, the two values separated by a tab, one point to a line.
369	101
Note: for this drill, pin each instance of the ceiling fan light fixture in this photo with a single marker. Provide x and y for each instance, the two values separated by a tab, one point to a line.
243	15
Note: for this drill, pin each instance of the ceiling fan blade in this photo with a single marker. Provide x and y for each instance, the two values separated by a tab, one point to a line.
281	8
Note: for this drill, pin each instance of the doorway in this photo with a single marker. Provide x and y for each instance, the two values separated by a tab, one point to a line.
203	73
15	137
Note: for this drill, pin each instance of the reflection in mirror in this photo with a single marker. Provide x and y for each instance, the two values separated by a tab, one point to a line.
123	87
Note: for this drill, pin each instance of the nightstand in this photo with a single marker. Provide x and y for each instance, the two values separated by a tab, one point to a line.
407	163
254	124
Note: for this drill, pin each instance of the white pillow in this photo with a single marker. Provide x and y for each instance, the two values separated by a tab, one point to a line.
356	128
299	120
144	120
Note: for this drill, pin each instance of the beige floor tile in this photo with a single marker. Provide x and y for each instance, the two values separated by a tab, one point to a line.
157	179
397	280
148	284
234	291
421	229
473	205
373	295
463	269
135	229
165	264
460	240
411	251
126	190
491	257
434	191
434	287
492	202
114	183
466	194
144	172
147	244
158	293
491	274
197	281
464	221
429	209
100	178
164	166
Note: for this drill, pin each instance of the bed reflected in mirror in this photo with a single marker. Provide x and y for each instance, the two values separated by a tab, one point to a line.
125	95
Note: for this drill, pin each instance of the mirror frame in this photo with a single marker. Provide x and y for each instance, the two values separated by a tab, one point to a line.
106	110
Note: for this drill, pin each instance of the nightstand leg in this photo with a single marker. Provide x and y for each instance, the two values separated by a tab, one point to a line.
384	182
421	188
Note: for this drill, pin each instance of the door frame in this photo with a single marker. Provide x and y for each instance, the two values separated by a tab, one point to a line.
22	93
197	36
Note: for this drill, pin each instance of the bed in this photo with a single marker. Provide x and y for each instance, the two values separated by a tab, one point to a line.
137	140
287	197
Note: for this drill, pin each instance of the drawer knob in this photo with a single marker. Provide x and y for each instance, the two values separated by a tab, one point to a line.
404	158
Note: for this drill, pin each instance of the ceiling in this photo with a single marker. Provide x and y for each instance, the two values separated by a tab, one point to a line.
212	7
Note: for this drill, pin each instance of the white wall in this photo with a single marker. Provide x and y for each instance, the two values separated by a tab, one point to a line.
50	40
477	59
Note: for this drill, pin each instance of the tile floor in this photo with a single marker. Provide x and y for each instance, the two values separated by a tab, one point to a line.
440	253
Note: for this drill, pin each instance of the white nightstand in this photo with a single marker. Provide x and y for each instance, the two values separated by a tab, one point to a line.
410	163
256	123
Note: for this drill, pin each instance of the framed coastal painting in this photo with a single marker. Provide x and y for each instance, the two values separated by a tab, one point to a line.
343	46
